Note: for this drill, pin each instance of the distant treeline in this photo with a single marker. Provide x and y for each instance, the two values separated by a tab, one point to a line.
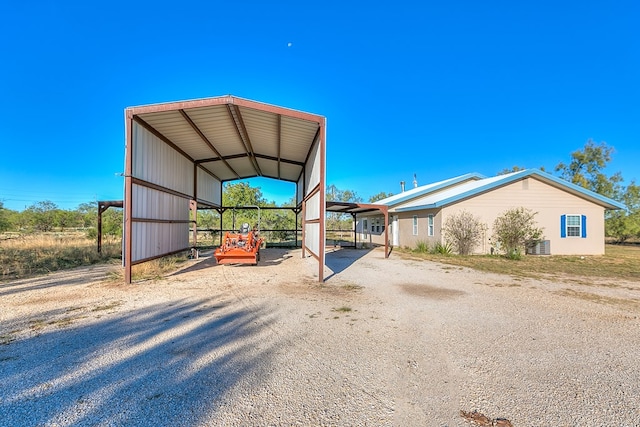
46	216
586	169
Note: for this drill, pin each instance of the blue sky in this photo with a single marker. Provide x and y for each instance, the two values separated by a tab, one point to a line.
438	89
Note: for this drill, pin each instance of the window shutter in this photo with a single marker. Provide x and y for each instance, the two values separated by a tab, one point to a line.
584	226
563	226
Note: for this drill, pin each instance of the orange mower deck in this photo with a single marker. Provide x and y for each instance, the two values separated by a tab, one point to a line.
239	248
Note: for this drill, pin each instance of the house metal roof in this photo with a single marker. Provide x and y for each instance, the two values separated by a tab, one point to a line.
234	138
474	188
426	189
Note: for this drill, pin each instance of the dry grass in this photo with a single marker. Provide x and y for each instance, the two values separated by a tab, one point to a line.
618	262
32	254
151	270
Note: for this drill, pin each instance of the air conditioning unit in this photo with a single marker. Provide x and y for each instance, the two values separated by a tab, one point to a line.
543	247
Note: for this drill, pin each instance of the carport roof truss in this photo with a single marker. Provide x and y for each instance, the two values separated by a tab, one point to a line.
234	138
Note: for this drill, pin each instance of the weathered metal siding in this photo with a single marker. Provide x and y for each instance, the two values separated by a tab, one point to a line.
208	188
312	169
153	233
149	203
152	239
314	207
312	233
160	219
153	160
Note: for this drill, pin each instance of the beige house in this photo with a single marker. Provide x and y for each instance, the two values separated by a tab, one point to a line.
572	218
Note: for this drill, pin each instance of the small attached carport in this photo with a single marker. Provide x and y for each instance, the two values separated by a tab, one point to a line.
179	155
359	208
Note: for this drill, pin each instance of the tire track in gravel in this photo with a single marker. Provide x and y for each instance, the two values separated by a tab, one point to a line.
331	394
425	383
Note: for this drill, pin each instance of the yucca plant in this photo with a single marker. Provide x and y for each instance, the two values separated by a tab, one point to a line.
422	247
442	248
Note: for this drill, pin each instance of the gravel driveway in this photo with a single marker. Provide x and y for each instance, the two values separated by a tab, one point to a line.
393	342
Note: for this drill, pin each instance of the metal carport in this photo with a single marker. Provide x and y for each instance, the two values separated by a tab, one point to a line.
179	154
359	208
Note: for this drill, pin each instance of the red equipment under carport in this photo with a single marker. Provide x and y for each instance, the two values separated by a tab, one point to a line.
239	248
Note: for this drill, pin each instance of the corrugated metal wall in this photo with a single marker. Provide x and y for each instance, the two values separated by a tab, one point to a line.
156	239
208	188
312	229
149	203
314	209
152	159
312	169
160	218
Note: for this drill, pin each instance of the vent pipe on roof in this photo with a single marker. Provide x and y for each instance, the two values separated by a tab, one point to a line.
402	186
415	181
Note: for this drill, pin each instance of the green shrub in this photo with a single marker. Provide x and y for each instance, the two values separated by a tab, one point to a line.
422	247
516	229
464	231
91	233
442	249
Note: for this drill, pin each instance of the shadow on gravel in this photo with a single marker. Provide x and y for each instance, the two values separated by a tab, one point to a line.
269	256
165	365
69	277
339	260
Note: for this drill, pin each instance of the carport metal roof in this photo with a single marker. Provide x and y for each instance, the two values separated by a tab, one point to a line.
227	138
234	138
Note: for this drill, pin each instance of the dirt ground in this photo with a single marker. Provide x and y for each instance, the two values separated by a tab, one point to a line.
394	342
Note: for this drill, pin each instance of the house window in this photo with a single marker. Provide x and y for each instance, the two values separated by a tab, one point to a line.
415	225
430	225
365	227
573	226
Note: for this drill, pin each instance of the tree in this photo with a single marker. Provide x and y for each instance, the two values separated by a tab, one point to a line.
64	219
337	220
625	224
586	169
241	194
334	194
208	219
89	214
510	170
381	195
514	230
280	220
5	223
112	222
41	215
463	231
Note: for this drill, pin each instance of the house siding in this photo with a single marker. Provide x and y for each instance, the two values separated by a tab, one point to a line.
405	222
370	238
550	203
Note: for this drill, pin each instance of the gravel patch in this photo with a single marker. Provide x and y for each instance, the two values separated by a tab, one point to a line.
384	342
